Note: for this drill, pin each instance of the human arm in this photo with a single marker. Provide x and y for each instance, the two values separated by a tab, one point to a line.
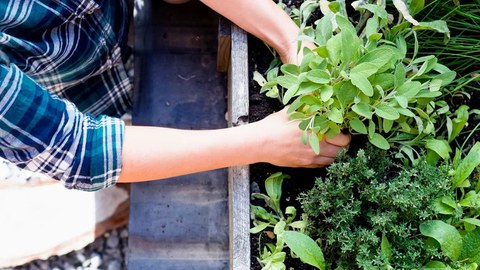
41	132
265	20
155	153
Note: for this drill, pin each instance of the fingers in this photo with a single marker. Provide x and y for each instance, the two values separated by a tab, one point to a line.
342	140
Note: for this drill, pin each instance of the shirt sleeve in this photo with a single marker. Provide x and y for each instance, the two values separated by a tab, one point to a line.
41	132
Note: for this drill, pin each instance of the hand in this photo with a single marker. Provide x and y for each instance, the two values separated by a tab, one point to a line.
291	55
283	146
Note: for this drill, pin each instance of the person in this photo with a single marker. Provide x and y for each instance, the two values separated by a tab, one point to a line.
63	86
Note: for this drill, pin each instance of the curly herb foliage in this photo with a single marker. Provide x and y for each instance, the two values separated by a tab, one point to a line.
367	211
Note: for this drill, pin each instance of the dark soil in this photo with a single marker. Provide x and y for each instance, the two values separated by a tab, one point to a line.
301	179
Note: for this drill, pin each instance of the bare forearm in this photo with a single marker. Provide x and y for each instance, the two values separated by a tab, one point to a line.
156	153
262	18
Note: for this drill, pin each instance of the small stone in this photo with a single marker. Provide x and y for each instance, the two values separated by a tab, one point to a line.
254	188
80	257
124	233
113	240
94	261
43	265
114	265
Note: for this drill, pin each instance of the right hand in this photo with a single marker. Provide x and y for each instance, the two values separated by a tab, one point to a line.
282	143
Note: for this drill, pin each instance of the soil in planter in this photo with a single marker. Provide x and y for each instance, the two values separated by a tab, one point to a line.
301	179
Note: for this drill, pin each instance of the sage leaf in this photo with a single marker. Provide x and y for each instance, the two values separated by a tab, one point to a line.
402	8
362	83
363	109
259	78
473	221
305	248
435	265
273	186
259	228
335	115
467	165
438	26
387	112
416	6
318	76
471	247
446	235
386	248
379	141
441	147
314	142
326	92
358	126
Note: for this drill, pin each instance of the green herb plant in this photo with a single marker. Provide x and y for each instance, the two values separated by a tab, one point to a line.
457	232
360	79
286	230
368	209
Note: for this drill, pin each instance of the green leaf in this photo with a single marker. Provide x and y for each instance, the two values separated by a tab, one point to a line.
314	142
334	47
290	69
259	78
291	92
387	125
305	248
438	26
335	115
446	235
473	221
363	110
446	77
318	76
409	89
416	6
287	81
326	92
346	93
399	75
279	227
362	83
387	112
435	265
350	41
323	31
467	165
471	247
386	248
441	147
402	8
259	228
358	126
379	141
442	208
273	186
379	57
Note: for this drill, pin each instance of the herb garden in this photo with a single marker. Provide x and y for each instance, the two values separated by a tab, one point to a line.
402	77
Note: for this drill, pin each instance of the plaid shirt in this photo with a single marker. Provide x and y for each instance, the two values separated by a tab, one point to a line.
54	54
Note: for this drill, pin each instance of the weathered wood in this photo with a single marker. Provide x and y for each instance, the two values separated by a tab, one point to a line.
179	223
46	219
238	180
224	45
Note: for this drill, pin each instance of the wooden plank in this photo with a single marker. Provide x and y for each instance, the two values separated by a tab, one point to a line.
224	45
179	223
238	180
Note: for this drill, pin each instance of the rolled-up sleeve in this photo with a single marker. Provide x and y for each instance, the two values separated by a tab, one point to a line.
41	132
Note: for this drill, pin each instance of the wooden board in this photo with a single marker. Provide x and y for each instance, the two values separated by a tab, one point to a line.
179	223
238	180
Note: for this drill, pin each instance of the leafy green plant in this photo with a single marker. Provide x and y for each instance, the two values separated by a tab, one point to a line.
360	80
458	231
368	209
286	230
